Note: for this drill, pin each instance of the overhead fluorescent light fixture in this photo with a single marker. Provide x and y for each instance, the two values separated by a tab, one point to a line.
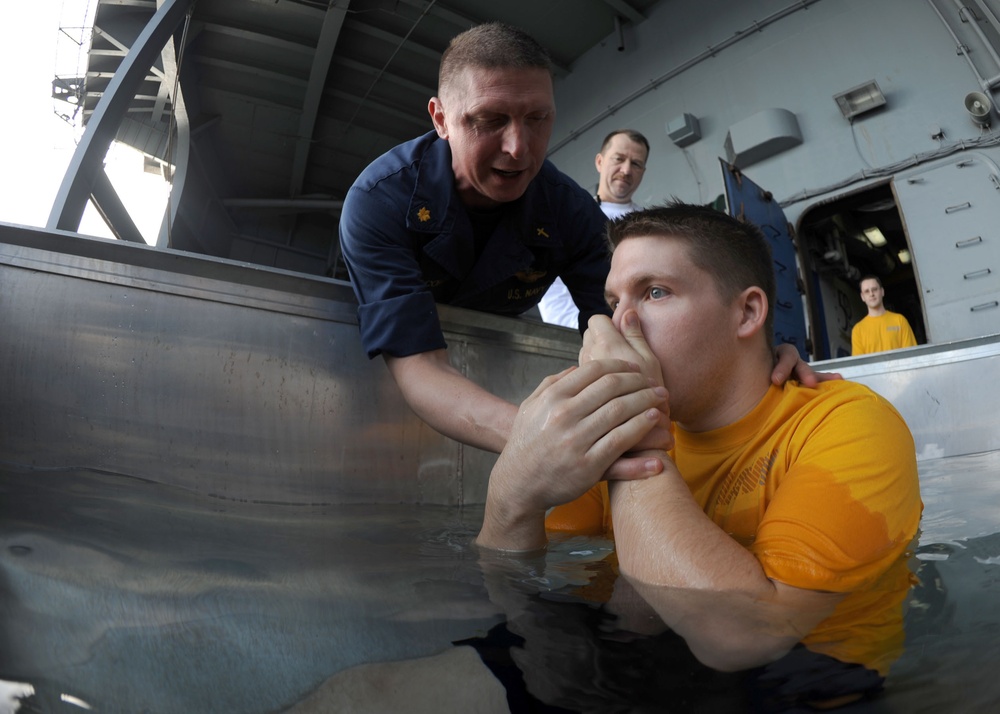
904	256
860	99
875	237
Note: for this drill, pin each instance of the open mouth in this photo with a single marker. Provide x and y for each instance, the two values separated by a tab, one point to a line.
508	174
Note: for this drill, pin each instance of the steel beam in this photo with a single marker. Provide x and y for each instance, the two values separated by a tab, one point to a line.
625	10
88	160
113	211
333	23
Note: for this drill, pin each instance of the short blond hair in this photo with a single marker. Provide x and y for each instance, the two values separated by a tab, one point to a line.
493	45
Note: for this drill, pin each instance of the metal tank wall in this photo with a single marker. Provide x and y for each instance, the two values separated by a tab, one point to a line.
249	383
727	60
231	380
945	392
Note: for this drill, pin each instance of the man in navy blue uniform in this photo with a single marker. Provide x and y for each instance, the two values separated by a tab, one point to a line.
472	215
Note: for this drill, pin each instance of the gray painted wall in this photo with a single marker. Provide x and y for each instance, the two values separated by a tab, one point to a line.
797	63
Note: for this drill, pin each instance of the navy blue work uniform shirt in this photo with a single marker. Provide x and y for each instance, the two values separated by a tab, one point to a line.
408	243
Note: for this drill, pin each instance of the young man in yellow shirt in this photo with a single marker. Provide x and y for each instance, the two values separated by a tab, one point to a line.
880	330
783	514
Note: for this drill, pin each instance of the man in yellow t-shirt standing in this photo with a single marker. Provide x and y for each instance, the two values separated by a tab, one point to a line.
881	330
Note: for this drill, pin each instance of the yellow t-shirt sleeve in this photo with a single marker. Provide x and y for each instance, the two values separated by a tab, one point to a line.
848	505
908	338
857	347
588	515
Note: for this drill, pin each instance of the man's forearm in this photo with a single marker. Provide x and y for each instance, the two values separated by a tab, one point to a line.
702	582
664	538
509	526
450	403
564	437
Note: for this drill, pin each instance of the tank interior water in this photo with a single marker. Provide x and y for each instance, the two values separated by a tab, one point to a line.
130	596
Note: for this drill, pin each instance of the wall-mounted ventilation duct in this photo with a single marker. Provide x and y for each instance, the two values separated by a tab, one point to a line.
760	136
684	129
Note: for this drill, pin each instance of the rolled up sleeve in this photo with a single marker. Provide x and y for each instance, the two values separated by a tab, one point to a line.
396	313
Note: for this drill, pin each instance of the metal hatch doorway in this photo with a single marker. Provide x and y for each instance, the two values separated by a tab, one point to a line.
936	250
842	240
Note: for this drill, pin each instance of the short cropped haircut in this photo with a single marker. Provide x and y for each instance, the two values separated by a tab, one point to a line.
493	45
735	253
876	278
632	134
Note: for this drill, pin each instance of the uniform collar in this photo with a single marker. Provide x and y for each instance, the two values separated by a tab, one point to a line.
436	209
433	202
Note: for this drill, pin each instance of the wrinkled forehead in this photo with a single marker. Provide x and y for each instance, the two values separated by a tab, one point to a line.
623	144
472	83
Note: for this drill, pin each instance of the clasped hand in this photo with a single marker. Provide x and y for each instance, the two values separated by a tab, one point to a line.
570	430
603	341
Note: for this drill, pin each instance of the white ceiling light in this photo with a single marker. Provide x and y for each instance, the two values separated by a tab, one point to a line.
904	256
875	237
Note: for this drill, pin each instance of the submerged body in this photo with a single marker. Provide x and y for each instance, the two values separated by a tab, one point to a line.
777	511
766	481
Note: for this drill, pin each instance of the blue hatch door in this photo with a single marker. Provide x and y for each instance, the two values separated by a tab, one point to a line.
749	202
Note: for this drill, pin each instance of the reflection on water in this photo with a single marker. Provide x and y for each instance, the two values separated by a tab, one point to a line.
953	622
131	597
135	597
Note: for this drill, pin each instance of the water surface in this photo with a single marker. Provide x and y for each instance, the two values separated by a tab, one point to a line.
128	596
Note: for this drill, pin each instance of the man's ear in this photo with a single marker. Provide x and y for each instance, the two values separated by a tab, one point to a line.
436	109
598	160
753	307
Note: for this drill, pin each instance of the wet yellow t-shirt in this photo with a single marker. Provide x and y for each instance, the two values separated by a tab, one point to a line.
821	485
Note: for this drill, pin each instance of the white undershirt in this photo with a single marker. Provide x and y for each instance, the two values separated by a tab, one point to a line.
557	306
